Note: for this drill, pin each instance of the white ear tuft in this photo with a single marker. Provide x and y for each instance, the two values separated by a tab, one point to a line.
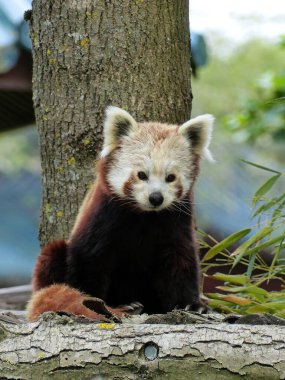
199	132
118	123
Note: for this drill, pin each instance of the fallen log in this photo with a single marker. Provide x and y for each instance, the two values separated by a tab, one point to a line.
64	347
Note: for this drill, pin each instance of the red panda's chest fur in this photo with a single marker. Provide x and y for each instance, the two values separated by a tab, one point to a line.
122	252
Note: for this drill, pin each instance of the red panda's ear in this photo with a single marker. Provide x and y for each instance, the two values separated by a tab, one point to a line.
199	132
118	123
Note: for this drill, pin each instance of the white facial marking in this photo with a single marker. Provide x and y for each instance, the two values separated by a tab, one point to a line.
157	158
158	150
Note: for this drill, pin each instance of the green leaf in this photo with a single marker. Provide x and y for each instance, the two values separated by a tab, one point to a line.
242	249
277	253
215	296
277	212
253	291
260	166
261	308
223	306
265	188
281	314
270	307
250	265
228	241
268	243
268	205
231	278
237	300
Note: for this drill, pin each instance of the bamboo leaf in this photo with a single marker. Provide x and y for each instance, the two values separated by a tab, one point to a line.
265	188
231	278
268	243
228	241
253	291
237	300
223	306
260	166
215	296
281	314
268	205
277	253
277	212
242	249
250	265
270	307
261	308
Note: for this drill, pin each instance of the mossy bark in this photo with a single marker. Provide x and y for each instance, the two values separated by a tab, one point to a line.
63	348
89	54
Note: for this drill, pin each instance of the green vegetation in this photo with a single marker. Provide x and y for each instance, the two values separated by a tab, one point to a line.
225	85
261	119
246	92
19	151
242	293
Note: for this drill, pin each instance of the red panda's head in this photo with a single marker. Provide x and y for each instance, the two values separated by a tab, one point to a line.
153	165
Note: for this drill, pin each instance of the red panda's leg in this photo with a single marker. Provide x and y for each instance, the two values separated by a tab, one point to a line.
178	284
50	266
134	308
99	306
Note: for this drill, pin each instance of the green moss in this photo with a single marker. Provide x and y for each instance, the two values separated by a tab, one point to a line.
86	141
71	161
48	208
85	42
92	15
3	334
59	214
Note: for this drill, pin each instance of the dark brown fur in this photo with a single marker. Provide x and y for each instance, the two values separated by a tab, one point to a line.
120	253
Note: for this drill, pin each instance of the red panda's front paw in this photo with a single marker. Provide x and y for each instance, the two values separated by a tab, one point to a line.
199	307
134	308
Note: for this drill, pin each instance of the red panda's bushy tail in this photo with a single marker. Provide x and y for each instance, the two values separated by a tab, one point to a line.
50	267
63	298
60	298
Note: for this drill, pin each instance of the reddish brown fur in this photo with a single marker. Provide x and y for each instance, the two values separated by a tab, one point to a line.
101	171
128	186
160	131
195	165
60	298
89	207
69	300
179	190
50	265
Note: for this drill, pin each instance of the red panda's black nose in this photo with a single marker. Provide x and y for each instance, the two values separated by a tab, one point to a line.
156	198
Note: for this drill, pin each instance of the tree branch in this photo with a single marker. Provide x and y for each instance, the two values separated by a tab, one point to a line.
63	347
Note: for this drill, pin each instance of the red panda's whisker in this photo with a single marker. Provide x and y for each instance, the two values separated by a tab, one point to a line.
181	207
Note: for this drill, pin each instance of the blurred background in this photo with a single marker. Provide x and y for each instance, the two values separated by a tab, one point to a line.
239	76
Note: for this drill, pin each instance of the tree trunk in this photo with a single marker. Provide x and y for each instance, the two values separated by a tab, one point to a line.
61	348
89	54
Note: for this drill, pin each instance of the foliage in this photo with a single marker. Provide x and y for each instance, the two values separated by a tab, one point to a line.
229	79
262	116
243	293
19	151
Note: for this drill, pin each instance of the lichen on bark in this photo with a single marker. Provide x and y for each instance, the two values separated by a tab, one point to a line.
61	347
87	55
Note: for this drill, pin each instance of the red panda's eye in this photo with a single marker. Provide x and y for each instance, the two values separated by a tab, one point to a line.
170	178
142	176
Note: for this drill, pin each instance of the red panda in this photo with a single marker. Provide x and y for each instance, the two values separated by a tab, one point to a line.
134	236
